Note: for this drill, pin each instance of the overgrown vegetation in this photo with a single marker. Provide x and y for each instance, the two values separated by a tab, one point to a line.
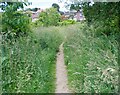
91	49
104	13
14	22
50	17
28	63
91	60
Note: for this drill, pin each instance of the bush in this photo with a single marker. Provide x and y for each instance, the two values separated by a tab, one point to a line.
104	14
37	23
50	17
106	28
16	23
67	22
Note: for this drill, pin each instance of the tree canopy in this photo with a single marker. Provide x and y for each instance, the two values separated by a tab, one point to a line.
14	21
106	13
54	5
14	5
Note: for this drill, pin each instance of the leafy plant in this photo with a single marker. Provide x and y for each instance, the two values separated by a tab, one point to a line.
50	17
13	21
104	13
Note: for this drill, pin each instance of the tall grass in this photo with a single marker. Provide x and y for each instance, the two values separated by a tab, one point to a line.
28	63
91	60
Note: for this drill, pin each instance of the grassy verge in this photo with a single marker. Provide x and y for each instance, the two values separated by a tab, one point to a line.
28	64
91	60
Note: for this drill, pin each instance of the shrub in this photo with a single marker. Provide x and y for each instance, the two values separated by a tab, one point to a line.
14	22
105	12
67	22
37	23
107	28
50	17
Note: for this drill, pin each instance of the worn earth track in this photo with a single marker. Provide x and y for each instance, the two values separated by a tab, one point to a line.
61	73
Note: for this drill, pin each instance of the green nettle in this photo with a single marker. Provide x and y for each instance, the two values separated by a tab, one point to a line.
50	17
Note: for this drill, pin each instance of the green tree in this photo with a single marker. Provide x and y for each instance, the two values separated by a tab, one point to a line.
54	5
15	4
106	13
75	6
34	9
49	17
13	21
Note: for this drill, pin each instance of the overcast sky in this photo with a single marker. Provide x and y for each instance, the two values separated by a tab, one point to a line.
45	4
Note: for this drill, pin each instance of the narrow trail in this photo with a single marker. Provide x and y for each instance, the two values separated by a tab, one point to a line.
61	73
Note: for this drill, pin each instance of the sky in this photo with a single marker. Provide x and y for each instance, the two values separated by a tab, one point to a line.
45	4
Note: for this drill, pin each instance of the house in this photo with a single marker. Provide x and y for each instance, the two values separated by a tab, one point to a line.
35	15
74	15
70	14
79	16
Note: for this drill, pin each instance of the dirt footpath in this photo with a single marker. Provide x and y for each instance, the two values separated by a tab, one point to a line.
61	73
